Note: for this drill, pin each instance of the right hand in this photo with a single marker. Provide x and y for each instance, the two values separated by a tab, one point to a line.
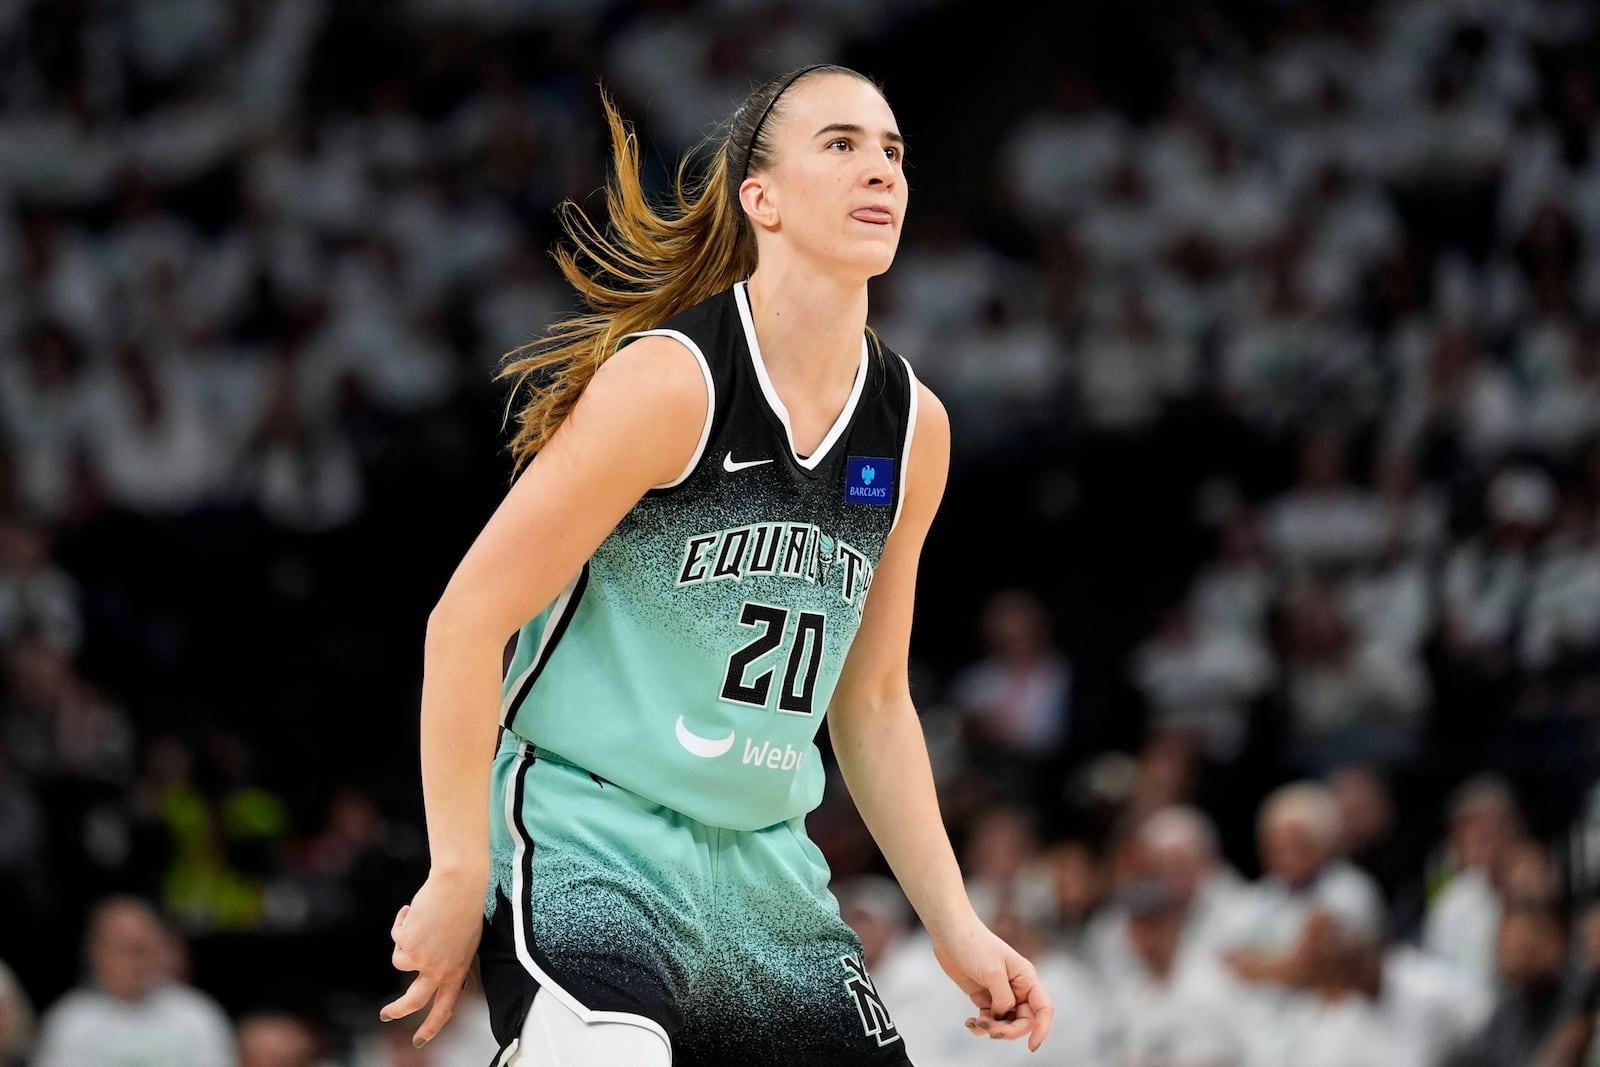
436	936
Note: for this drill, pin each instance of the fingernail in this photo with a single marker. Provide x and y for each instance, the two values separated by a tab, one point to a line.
994	1037
419	1042
385	1017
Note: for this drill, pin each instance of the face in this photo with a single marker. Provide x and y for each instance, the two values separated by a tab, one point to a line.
1291	851
1183	868
1155	938
1364	809
128	953
836	191
1480	835
1529	948
274	1042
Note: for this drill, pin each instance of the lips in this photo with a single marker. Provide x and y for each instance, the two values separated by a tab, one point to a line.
877	215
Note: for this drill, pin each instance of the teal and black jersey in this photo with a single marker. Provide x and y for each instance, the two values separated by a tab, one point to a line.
693	656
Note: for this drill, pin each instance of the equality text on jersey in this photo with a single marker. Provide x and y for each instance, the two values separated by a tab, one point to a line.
800	551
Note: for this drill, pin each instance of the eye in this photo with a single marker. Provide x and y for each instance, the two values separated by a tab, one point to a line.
893	153
839	141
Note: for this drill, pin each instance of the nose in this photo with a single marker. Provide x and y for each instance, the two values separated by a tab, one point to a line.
880	172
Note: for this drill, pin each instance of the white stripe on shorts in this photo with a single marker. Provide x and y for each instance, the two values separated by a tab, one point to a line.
524	842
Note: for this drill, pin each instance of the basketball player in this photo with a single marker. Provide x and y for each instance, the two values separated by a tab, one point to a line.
727	463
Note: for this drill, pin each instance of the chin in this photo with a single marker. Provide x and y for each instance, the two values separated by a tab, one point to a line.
869	262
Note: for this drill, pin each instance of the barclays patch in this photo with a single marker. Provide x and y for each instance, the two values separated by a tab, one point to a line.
869	480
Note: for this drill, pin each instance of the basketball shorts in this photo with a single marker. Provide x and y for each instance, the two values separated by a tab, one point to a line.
726	941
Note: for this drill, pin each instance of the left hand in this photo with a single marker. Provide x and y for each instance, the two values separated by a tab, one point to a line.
1002	983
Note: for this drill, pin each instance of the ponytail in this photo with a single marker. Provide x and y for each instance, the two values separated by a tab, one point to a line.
643	268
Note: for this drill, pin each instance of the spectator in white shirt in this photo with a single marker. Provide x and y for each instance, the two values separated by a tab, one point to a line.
1458	397
1333	1018
1464	911
1181	843
1299	839
1202	680
1175	1009
1016	701
1561	623
1131	369
150	445
1325	521
1487	580
133	1013
1234	593
44	412
1349	699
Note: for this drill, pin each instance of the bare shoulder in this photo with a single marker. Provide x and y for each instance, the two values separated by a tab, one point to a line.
930	440
658	367
933	421
650	400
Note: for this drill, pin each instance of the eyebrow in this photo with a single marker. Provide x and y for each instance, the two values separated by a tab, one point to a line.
850	127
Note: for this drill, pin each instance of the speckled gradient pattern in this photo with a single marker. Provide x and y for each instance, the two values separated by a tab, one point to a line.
647	647
728	939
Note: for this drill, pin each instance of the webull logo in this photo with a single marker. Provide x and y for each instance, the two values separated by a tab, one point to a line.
771	757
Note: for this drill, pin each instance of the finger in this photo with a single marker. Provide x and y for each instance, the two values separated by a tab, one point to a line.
1043	1015
980	998
1036	1003
998	983
413	999
985	1021
399	919
444	1006
1009	1029
403	960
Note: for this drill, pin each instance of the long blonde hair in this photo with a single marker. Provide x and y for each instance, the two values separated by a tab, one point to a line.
647	264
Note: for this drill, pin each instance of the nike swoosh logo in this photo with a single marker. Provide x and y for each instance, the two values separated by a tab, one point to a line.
730	466
704	747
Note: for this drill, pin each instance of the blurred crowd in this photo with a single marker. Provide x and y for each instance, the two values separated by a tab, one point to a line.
1267	721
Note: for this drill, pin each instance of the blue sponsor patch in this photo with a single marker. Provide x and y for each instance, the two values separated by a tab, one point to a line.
869	480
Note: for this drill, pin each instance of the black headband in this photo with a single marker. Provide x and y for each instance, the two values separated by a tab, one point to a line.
755	134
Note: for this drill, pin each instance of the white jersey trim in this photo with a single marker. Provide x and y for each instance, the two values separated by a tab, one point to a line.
711	397
905	454
520	836
776	404
562	605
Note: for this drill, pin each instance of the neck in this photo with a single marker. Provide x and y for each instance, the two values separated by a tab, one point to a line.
809	323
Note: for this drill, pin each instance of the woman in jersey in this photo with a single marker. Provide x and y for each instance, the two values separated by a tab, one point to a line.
726	460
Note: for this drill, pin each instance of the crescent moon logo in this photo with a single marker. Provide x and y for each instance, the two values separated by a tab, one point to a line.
704	747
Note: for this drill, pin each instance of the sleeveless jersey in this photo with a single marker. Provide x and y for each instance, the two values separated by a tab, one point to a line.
692	657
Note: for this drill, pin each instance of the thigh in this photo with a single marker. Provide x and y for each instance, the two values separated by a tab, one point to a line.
784	983
595	899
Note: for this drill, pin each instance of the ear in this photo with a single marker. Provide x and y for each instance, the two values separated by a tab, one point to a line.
760	204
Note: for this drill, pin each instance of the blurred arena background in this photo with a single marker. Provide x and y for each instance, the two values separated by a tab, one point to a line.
1271	336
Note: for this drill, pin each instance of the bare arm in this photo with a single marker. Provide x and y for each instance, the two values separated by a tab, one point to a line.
872	712
636	426
878	740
